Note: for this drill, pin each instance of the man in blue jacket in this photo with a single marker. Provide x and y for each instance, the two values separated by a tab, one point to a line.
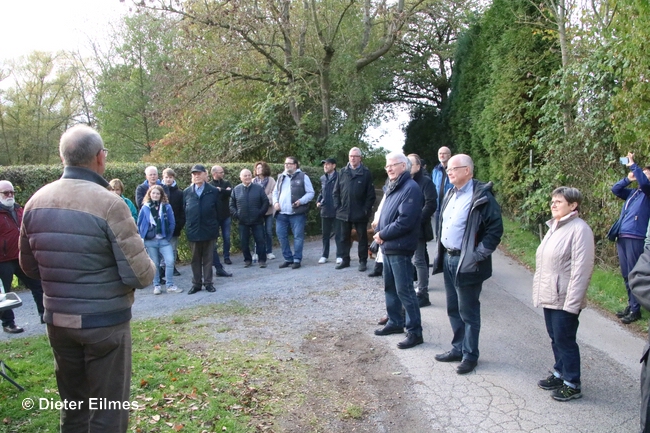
325	202
398	240
470	230
441	182
634	223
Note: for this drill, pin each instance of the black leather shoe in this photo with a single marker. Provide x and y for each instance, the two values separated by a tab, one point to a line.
227	261
176	273
466	366
295	265
631	317
388	330
623	313
342	265
285	265
194	289
221	272
13	329
247	264
210	288
363	266
448	357
423	302
411	340
377	271
383	320
262	264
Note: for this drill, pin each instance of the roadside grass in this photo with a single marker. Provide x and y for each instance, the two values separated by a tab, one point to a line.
606	290
183	379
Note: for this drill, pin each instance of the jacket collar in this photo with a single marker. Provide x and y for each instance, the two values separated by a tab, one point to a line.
83	173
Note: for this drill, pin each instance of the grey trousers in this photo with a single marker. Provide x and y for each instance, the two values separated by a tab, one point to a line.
93	369
645	392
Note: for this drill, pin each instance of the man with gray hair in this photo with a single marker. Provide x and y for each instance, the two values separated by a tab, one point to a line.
248	205
400	214
151	174
354	196
470	230
80	240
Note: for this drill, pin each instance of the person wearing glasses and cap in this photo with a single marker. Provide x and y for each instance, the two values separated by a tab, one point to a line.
11	216
325	202
470	230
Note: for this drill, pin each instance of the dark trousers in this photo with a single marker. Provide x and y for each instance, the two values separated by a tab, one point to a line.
7	271
245	240
224	227
629	250
645	393
329	226
464	311
344	237
93	365
562	327
202	254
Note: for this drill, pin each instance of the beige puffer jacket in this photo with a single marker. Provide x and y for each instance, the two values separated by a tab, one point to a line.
564	264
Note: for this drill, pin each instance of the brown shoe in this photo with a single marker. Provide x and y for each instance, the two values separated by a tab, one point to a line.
383	320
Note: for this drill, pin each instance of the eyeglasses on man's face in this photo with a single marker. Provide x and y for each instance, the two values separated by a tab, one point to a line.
452	169
103	149
8	193
389	166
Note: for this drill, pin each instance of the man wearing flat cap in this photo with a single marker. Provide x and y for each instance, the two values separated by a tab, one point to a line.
201	203
325	202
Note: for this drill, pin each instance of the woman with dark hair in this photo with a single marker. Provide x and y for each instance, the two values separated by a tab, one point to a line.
118	188
263	177
156	226
564	263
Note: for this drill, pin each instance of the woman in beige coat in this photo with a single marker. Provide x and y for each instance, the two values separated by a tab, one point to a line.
563	266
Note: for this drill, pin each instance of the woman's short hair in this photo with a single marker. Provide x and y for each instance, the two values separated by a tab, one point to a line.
570	194
117	184
163	196
266	169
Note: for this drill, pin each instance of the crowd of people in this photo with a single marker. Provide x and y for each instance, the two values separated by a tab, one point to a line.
86	304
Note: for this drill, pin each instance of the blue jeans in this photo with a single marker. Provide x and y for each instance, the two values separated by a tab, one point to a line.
297	223
422	269
224	226
463	310
258	236
398	289
268	227
330	226
629	250
156	247
562	327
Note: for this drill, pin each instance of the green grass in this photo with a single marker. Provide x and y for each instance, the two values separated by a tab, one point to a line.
606	291
183	379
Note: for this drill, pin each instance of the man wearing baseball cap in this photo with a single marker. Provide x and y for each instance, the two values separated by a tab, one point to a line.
201	201
325	203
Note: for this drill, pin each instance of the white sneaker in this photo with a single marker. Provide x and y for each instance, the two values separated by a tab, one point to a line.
339	260
322	260
174	289
270	256
156	290
255	258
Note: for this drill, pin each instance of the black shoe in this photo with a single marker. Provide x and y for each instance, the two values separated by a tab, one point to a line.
623	313
551	383
448	357
285	265
566	393
13	329
388	330
221	272
210	288
227	261
247	264
383	320
363	266
176	273
423	301
631	317
411	340
466	366
262	264
342	265
377	271
295	265
194	289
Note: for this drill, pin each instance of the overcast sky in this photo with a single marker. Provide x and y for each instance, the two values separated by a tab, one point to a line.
52	25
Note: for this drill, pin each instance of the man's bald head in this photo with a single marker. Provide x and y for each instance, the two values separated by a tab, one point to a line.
80	146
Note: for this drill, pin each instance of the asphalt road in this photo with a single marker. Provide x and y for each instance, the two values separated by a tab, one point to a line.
500	396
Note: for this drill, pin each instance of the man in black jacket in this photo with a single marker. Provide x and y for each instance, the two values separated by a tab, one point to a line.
325	202
248	205
200	202
354	195
223	217
420	258
175	197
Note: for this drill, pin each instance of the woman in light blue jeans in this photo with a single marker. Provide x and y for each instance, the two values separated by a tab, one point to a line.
156	226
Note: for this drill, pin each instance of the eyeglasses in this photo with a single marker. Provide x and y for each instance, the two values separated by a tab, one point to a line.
450	169
289	163
354	156
103	150
389	166
8	192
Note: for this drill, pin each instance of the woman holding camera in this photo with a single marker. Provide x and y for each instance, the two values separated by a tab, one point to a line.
564	263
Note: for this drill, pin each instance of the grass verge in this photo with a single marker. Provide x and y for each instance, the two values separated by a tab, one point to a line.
183	380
